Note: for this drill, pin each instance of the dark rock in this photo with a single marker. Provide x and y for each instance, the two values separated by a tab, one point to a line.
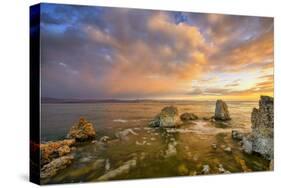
188	116
221	111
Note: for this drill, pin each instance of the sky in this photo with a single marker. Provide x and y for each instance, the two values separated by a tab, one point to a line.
92	52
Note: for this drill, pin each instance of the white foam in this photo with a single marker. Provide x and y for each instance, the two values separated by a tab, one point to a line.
120	120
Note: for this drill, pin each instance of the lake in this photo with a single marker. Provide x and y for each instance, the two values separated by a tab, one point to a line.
154	152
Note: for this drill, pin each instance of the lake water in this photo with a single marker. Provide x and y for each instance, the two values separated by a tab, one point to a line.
156	152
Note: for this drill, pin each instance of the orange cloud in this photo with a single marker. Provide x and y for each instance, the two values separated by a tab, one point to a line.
143	68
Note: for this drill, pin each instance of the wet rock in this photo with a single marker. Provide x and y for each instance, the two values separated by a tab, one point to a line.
172	150
94	142
236	135
221	111
91	167
82	131
206	169
221	169
261	137
104	139
124	135
168	117
141	143
85	159
247	144
55	149
125	168
214	146
51	169
107	165
228	149
188	116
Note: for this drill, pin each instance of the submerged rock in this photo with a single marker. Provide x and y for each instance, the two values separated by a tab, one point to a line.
206	169
168	117
141	143
92	167
54	149
247	144
222	170
228	149
172	150
51	169
236	135
82	131
107	165
261	138
221	111
214	146
104	139
188	116
123	135
125	168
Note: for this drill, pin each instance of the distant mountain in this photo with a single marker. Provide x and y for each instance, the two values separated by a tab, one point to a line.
56	100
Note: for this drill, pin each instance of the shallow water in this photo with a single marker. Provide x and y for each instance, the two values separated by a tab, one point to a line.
154	152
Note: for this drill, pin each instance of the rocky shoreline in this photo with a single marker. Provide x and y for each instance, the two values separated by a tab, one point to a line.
57	155
260	140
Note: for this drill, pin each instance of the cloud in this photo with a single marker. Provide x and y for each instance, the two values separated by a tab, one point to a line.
250	55
131	53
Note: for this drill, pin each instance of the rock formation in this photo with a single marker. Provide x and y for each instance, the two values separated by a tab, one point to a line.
53	167
54	149
261	138
82	131
221	111
125	168
168	117
188	116
55	156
